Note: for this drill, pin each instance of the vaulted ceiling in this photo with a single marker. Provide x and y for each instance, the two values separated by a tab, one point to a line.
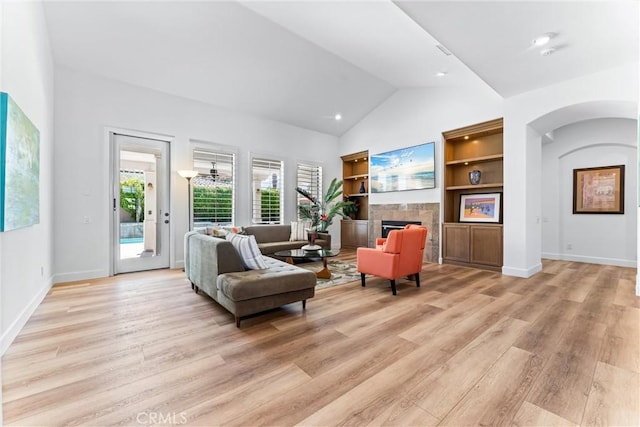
302	63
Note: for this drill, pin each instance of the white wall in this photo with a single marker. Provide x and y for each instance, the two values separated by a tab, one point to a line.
601	239
86	104
26	66
611	93
414	116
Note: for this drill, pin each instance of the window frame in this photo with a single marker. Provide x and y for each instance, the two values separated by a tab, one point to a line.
217	150
281	185
319	170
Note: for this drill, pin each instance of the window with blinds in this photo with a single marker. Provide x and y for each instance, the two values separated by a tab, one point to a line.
213	188
266	177
309	178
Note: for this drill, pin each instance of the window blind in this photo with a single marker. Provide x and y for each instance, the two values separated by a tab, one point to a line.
213	188
309	178
267	190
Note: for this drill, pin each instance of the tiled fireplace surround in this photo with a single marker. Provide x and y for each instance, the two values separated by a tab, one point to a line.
427	213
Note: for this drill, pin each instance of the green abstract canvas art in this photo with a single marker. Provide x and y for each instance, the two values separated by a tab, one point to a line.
19	167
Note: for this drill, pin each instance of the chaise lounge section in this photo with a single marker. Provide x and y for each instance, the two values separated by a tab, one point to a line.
214	266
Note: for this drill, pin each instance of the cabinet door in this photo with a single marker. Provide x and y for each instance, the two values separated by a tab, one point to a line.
347	234
361	233
354	233
486	245
455	242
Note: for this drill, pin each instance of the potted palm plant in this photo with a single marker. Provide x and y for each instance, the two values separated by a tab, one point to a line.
322	211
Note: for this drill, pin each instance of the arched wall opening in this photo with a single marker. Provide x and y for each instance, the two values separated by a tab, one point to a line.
592	134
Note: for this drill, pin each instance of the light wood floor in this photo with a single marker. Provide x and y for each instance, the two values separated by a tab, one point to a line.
468	348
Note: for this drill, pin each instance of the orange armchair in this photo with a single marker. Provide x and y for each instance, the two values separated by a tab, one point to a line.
381	240
400	255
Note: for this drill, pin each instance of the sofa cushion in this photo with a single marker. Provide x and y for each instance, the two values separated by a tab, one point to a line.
248	250
269	233
278	278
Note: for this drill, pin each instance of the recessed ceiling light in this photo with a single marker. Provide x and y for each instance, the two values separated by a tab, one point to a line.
466	137
441	73
338	117
543	39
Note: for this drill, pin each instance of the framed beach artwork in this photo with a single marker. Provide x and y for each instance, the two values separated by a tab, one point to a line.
411	168
19	167
480	207
598	190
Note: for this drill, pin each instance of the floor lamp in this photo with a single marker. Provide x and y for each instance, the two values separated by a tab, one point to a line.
188	175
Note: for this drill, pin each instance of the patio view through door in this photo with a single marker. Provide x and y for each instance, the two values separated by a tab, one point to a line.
140	203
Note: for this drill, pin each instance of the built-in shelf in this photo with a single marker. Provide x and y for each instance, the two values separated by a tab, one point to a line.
364	175
473	160
473	148
355	174
469	186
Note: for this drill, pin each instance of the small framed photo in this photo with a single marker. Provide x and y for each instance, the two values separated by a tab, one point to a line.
598	190
480	207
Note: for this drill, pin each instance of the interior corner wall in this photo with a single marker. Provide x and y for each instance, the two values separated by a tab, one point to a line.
26	263
87	104
522	252
414	116
596	238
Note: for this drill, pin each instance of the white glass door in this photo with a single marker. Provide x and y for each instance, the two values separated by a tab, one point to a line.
140	190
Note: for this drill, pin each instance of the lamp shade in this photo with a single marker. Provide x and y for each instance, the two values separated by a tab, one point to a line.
188	174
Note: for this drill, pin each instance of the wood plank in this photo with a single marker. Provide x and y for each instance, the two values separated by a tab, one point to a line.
564	385
404	413
622	338
504	386
626	293
614	399
532	415
444	320
294	406
545	335
442	390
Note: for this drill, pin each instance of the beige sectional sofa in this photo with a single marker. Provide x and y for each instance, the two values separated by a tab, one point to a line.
214	266
274	238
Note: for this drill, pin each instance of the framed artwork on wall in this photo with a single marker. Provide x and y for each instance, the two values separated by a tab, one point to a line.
480	207
598	190
411	168
19	167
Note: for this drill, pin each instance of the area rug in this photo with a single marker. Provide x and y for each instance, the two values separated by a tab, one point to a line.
341	273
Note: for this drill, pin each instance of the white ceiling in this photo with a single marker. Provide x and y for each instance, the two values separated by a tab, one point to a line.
303	62
493	38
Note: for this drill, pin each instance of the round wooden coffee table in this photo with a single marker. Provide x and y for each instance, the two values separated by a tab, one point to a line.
299	254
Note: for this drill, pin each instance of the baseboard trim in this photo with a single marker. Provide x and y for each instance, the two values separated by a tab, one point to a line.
637	285
16	326
79	275
550	255
522	272
591	260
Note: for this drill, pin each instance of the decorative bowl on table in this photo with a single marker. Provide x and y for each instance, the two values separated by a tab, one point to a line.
311	247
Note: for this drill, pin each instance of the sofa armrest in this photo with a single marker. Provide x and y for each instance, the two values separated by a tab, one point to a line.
206	258
327	239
